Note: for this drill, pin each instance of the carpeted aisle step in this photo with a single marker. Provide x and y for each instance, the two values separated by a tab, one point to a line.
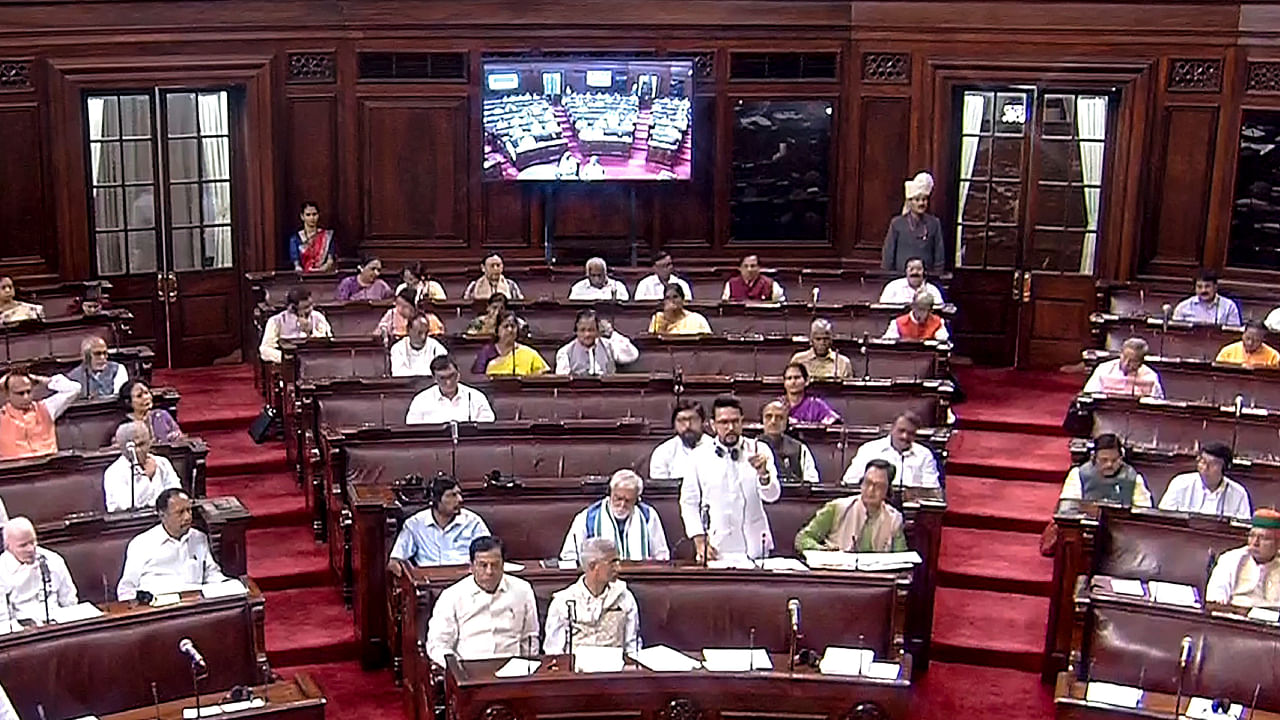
991	504
1002	399
1008	455
995	629
233	452
352	693
994	560
309	626
274	498
286	558
952	691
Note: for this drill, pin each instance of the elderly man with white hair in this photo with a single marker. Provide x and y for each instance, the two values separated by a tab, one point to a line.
137	477
597	285
919	322
97	375
23	568
604	612
634	526
821	359
1126	375
915	233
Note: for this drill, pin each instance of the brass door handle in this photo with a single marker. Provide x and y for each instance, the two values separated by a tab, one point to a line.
173	286
161	286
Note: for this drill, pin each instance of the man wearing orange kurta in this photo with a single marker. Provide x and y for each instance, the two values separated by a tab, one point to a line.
1250	351
27	424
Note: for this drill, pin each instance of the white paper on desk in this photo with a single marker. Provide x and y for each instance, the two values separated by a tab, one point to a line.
1112	694
597	659
1199	708
736	659
883	670
1266	615
1167	593
205	711
83	611
518	667
1127	586
783	564
566	565
512	567
165	600
227	588
235	707
831	559
736	561
660	658
845	661
879	562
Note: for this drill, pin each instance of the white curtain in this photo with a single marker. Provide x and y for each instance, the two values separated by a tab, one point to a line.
1091	131
216	152
974	108
107	202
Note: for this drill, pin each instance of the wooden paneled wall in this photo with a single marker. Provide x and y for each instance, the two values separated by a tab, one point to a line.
395	165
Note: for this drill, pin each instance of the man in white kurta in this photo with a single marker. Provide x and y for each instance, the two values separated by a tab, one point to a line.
633	526
1249	576
597	285
21	577
137	477
448	400
412	354
1127	374
668	460
487	614
170	557
902	291
914	463
654	286
723	495
604	612
1208	490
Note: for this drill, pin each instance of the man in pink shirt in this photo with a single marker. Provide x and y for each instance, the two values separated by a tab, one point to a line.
1126	375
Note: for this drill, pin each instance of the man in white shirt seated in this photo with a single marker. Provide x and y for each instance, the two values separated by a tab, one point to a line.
791	458
633	526
667	461
597	285
448	400
1249	576
137	477
413	353
913	463
442	533
97	375
1208	490
585	354
623	350
902	290
604	612
487	614
170	557
1126	375
653	287
29	574
723	495
299	319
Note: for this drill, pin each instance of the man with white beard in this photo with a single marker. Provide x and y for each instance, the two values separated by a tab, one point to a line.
633	526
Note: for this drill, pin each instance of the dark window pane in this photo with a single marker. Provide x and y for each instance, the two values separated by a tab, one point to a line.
1005	203
975	203
1002	247
780	177
1058	116
1006	158
1255	217
982	159
1051	205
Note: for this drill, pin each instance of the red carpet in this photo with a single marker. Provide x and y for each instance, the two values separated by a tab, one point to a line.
991	607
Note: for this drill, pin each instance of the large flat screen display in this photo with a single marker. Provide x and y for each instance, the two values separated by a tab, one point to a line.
577	120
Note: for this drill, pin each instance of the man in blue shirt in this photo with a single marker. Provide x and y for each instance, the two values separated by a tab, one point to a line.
442	533
1207	306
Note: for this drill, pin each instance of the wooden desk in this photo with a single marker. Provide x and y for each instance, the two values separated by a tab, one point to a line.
1182	426
107	664
296	699
1202	380
636	692
1070	704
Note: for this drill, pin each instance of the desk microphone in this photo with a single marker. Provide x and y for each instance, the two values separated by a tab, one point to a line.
751	648
40	711
188	648
793	614
44	584
571	609
155	700
1183	656
1165	311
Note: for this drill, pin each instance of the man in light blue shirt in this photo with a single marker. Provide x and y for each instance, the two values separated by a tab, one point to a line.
1207	306
442	533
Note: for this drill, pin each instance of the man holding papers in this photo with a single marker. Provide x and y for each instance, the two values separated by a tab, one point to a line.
604	611
1249	576
723	495
859	523
170	557
487	614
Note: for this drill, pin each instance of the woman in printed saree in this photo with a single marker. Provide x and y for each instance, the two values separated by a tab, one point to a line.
135	396
311	248
14	310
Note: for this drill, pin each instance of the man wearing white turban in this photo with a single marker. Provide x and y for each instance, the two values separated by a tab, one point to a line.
915	233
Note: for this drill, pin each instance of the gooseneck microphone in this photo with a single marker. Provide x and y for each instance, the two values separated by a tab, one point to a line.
44	584
793	615
571	609
192	653
1184	655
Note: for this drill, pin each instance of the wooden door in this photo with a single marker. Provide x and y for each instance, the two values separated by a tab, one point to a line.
987	314
1054	318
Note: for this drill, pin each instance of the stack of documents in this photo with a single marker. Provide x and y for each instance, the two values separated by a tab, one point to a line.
1167	593
783	564
660	658
226	588
593	659
736	659
517	667
867	562
845	661
83	611
1111	694
1125	586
